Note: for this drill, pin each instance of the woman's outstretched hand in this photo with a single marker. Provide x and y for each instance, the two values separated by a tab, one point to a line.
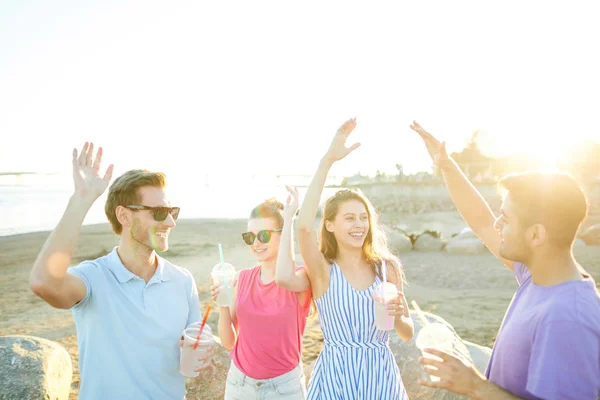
291	204
337	149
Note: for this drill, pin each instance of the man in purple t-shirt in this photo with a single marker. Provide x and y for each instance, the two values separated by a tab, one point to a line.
549	344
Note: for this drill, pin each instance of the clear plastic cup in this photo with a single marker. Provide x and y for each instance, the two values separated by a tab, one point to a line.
223	275
384	292
435	336
189	358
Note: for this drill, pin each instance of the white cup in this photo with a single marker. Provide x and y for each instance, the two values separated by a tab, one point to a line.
223	276
190	358
435	336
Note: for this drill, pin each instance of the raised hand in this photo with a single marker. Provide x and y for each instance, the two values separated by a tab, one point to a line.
291	204
337	148
86	172
436	149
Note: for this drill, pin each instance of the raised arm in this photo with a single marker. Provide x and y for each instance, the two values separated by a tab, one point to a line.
285	273
314	260
49	278
472	207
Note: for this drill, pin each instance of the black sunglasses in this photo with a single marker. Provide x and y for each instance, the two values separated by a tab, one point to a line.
159	213
263	236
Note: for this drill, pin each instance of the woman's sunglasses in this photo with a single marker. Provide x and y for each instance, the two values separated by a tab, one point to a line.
263	236
159	213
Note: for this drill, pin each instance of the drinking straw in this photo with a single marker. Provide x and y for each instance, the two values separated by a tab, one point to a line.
384	272
221	255
420	313
202	325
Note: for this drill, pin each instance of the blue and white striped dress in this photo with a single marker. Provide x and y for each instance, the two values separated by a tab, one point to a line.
356	362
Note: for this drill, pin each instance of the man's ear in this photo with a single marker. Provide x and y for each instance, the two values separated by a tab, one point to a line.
537	235
124	216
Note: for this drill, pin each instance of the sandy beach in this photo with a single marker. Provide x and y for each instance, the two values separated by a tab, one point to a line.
471	292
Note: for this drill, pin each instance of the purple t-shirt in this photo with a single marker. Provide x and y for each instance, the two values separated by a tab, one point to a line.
549	344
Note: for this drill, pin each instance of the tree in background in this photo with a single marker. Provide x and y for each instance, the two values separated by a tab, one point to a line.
471	160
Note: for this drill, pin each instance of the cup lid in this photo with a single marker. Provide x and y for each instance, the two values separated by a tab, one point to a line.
191	332
225	268
434	335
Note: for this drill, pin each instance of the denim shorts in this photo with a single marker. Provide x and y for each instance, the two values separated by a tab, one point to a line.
291	385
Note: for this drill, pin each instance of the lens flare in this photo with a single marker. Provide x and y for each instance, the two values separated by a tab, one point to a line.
152	238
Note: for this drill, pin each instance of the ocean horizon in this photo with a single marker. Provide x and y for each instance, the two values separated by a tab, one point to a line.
36	202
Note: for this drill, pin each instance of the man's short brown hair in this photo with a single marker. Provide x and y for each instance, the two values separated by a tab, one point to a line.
553	199
124	192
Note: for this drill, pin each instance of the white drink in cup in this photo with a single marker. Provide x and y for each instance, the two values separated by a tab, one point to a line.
189	359
223	275
434	336
384	292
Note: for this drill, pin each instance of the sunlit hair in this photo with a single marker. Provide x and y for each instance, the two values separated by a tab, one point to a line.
124	192
270	208
552	199
375	248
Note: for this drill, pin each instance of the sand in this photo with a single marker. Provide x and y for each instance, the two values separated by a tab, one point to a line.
471	292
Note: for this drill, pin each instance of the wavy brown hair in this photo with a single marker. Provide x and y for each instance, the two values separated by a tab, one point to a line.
375	248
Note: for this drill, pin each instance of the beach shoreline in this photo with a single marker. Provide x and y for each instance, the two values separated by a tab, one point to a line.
471	292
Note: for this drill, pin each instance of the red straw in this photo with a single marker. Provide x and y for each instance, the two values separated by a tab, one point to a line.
202	325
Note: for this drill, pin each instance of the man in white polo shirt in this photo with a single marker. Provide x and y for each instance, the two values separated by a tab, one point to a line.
131	305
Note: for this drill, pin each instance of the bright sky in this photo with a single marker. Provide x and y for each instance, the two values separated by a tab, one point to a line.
197	87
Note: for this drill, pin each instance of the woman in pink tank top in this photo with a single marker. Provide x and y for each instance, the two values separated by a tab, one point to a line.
264	326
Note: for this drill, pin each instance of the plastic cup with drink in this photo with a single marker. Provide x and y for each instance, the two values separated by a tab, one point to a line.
433	336
223	275
197	348
384	292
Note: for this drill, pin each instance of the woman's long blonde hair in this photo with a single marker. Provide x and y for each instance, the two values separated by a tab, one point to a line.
375	248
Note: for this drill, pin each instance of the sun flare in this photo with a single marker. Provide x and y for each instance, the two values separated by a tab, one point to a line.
550	154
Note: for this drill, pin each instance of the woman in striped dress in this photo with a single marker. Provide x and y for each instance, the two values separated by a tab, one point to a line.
344	269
